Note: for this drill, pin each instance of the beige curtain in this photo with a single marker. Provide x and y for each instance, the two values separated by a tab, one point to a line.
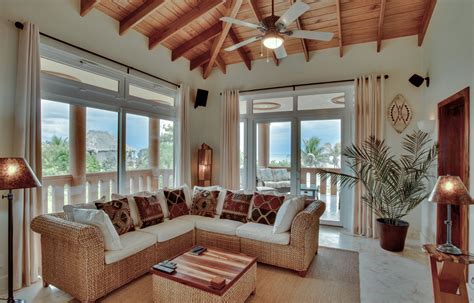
229	147
183	150
27	143
369	113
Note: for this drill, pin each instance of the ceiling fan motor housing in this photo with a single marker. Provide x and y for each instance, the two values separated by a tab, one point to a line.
269	23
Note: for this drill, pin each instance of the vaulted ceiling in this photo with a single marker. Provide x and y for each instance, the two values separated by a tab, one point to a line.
191	28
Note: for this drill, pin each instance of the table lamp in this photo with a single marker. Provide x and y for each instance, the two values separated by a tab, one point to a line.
15	173
450	190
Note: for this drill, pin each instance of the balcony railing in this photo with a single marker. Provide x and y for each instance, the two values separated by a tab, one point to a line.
57	189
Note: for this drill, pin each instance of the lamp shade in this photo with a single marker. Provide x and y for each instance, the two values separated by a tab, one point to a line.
450	190
16	173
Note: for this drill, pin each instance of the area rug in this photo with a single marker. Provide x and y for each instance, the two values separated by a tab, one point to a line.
332	277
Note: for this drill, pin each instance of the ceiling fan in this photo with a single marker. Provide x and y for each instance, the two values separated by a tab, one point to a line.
274	28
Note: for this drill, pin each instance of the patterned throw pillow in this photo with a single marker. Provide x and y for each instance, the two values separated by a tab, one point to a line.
119	213
236	206
176	202
204	202
265	208
149	210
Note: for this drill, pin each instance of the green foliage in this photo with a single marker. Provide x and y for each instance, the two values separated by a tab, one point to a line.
313	153
167	147
55	157
279	163
393	186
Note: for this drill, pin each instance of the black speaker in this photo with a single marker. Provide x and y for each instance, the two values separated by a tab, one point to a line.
201	98
418	80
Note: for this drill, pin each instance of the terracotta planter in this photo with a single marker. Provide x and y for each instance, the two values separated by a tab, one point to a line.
392	237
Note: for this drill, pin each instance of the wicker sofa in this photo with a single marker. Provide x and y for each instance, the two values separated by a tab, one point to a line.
74	259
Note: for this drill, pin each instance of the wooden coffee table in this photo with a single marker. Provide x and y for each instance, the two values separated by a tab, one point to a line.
191	281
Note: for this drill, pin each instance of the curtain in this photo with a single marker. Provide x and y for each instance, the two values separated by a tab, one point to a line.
229	146
183	151
27	144
369	113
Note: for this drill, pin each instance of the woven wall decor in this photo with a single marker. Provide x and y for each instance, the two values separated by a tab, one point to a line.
399	113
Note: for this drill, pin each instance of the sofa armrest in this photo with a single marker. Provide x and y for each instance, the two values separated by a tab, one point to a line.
56	227
305	222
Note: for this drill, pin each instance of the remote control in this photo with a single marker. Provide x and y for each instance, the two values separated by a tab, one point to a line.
197	248
164	269
168	265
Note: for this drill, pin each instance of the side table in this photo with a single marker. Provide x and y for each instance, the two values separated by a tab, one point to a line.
449	275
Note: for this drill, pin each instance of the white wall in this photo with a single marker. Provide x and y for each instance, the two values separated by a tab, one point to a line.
399	58
96	32
448	58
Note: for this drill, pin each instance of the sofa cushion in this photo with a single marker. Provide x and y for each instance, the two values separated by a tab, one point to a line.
176	202
132	204
281	174
169	229
204	202
220	226
119	213
99	219
132	243
193	218
286	214
265	208
236	206
265	174
150	211
262	232
69	208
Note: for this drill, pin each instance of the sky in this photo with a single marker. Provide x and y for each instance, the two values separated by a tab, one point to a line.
55	121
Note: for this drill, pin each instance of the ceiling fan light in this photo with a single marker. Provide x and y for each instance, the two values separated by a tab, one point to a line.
272	41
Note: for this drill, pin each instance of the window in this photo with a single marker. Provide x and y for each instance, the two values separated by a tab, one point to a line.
321	101
272	105
96	138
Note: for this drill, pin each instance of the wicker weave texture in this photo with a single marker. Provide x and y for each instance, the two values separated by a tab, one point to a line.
173	247
169	291
225	242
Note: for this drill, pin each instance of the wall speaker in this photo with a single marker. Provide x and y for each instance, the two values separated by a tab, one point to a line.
201	98
418	80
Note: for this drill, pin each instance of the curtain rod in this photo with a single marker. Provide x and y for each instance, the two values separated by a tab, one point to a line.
299	85
20	25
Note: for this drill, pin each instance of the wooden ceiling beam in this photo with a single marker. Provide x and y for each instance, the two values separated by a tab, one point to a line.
241	50
339	26
87	6
206	35
139	15
202	8
304	45
380	29
232	10
258	15
426	21
221	64
200	60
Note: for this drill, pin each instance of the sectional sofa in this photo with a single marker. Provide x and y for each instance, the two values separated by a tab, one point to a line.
74	258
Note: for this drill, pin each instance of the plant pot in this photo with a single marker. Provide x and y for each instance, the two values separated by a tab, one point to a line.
392	237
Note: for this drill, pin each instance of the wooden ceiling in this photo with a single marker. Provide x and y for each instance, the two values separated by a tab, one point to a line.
191	28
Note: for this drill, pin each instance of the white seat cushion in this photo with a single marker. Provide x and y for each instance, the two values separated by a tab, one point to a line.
192	218
169	229
262	232
132	243
220	226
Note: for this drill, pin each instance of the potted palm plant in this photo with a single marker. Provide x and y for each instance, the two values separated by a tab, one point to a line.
391	186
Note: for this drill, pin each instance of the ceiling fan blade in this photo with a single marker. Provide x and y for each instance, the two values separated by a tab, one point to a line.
243	43
280	52
312	35
297	9
239	22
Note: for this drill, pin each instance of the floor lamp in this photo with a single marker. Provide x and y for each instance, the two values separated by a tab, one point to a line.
15	173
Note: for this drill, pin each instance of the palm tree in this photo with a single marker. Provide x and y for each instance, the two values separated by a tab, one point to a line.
313	154
333	153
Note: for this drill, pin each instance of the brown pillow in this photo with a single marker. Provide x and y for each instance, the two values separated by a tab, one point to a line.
176	202
119	213
265	208
236	206
149	210
204	202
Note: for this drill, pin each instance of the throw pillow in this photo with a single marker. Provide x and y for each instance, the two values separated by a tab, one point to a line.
99	219
176	202
68	209
119	213
150	211
236	206
204	202
132	204
265	208
287	212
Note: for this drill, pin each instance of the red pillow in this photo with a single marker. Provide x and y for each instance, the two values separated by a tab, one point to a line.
265	208
176	202
236	206
149	209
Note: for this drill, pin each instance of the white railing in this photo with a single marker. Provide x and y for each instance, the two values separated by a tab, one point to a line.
57	189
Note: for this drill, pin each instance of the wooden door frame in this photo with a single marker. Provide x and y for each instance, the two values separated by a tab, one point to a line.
464	210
